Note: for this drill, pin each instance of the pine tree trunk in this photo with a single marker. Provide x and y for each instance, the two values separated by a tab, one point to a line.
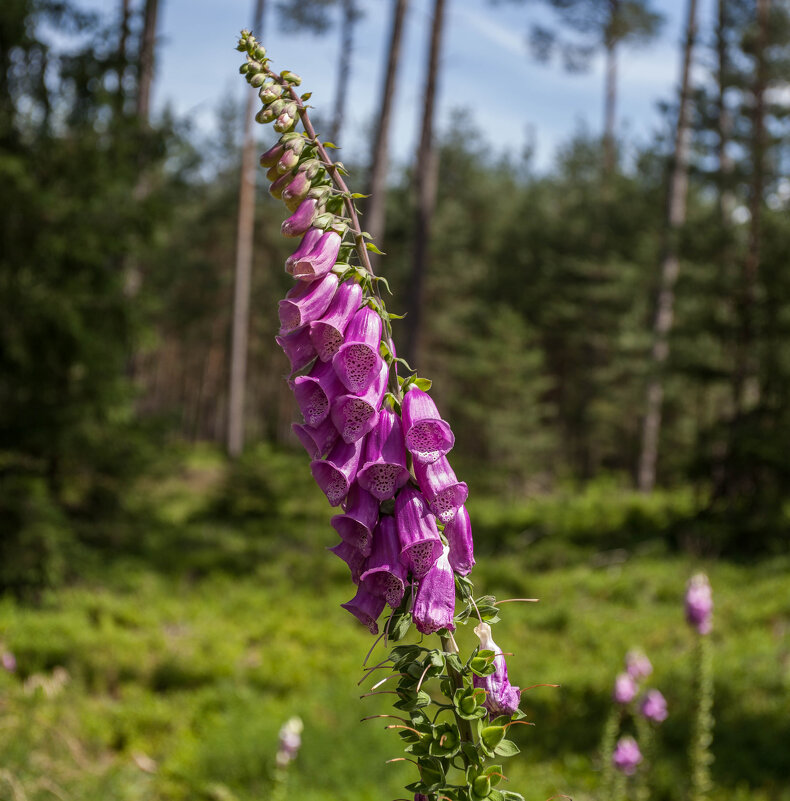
425	180
147	49
241	291
746	389
377	205
670	267
347	24
610	109
122	56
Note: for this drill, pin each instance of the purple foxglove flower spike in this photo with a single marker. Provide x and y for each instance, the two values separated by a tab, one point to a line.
335	474
458	533
699	604
355	416
361	515
298	347
301	219
385	576
352	556
427	436
626	756
419	538
366	607
384	469
327	333
654	706
624	689
306	302
502	698
357	361
317	440
297	188
434	603
315	392
309	241
319	261
445	494
637	665
272	155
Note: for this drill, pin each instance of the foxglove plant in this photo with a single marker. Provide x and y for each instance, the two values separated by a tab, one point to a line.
379	451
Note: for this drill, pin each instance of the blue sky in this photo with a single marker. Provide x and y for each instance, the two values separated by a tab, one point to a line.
485	62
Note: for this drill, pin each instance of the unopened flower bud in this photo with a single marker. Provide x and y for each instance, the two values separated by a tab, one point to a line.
300	221
319	192
260	53
276	189
257	79
270	92
699	603
295	143
254	67
290	77
287	161
272	174
284	123
244	68
310	167
324	221
272	155
297	188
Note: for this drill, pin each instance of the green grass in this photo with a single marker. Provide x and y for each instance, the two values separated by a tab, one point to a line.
166	671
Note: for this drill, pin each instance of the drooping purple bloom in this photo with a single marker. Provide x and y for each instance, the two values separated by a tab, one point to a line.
385	576
419	538
357	361
315	392
637	665
624	689
279	184
335	473
272	155
654	706
502	698
318	261
309	241
301	219
626	756
366	607
353	415
434	603
699	604
352	556
297	188
327	333
427	436
356	524
298	347
458	533
306	302
287	161
384	470
317	440
445	493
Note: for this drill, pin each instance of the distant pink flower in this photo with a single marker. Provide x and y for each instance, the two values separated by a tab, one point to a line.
699	604
8	661
624	689
637	665
626	755
654	706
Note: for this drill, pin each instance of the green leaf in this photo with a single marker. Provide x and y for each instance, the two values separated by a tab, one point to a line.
306	96
399	626
490	771
331	145
373	249
423	383
507	748
356	195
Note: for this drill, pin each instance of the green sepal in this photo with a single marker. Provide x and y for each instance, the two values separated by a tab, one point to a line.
446	741
466	704
432	772
509	795
507	748
483	663
490	771
495	795
423	383
454	662
399	624
471	754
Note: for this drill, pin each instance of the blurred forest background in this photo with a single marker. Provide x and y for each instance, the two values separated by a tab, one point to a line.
608	337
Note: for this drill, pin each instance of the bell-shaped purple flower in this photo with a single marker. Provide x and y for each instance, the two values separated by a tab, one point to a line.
272	155
699	604
352	556
624	689
458	533
626	756
279	184
361	514
502	698
654	706
287	161
319	261
445	494
298	347
434	603
309	241
297	188
355	416
335	474
306	302
427	436
419	538
367	608
357	361
301	219
384	575
327	333
316	391
637	665
384	469
317	440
